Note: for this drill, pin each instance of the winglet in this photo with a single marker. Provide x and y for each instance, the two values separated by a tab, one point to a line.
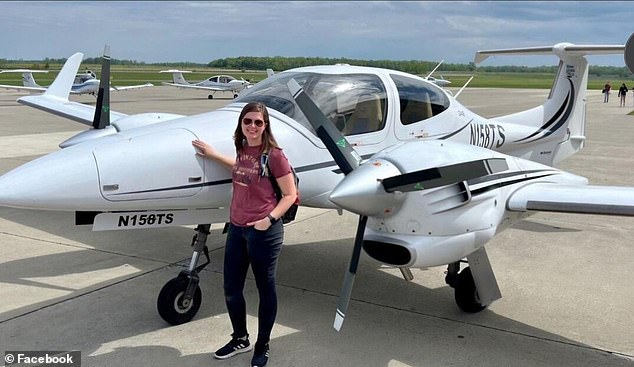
64	81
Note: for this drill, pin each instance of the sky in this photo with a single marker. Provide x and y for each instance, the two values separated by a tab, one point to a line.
171	31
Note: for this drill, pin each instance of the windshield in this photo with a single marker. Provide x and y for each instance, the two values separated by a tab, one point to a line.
355	103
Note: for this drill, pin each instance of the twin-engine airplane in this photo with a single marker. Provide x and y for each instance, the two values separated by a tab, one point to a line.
431	181
218	83
83	83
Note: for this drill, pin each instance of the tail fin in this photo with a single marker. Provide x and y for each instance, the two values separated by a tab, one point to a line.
177	75
556	129
28	80
64	81
27	76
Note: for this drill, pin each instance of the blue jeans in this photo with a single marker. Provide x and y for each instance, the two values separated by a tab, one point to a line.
248	246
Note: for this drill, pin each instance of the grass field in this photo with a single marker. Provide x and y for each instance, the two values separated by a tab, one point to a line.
129	75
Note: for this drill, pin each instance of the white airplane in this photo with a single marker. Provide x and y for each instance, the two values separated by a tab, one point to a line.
83	83
431	181
217	83
442	82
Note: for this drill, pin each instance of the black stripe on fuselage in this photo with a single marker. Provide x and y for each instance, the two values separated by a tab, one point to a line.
455	132
500	184
558	119
307	168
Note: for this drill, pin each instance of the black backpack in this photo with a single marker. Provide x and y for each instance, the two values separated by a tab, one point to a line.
290	214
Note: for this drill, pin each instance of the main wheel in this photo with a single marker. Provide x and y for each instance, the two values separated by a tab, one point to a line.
466	294
210	97
171	304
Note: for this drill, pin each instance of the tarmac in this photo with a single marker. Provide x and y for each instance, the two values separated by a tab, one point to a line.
566	280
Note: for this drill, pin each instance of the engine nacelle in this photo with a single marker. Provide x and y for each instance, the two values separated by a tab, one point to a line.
418	251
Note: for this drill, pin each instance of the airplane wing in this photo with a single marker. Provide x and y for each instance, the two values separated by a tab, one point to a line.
582	199
55	99
63	107
21	88
197	87
132	87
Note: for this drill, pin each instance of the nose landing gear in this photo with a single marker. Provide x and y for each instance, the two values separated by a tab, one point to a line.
180	298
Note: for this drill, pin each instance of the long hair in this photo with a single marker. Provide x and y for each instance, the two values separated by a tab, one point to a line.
268	140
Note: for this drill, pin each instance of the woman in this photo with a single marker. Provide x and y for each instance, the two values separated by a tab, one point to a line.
622	94
255	233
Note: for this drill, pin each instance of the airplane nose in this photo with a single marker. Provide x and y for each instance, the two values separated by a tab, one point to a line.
361	191
64	180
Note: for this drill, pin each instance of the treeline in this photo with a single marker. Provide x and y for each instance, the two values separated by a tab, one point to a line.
408	66
279	63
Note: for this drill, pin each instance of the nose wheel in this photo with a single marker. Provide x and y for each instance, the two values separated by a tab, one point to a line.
173	306
180	298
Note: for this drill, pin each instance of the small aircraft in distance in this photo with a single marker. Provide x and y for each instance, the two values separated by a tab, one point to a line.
442	82
83	83
217	83
431	181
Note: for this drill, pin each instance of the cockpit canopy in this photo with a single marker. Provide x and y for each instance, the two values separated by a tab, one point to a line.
356	103
221	79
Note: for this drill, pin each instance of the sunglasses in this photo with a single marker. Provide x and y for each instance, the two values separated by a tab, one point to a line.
248	121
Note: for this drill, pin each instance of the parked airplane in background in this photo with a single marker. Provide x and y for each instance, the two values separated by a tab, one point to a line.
431	181
218	83
83	83
442	82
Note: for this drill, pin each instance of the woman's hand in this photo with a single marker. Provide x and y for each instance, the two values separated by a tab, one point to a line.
204	149
261	225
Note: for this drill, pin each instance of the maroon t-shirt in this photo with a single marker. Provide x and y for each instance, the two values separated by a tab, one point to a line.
253	195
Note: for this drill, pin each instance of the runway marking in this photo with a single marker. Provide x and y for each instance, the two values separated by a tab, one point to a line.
32	144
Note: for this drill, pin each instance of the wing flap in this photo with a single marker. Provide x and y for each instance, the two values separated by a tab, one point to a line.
582	199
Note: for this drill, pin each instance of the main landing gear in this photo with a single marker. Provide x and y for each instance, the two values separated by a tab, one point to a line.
180	298
475	286
466	294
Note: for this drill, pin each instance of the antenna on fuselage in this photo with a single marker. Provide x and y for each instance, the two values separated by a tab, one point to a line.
463	87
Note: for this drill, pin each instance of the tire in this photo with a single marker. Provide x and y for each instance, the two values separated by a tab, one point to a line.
169	302
210	97
466	294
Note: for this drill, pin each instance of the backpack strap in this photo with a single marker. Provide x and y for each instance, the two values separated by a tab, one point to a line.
265	170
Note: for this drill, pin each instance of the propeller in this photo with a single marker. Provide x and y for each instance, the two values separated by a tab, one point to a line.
347	159
102	108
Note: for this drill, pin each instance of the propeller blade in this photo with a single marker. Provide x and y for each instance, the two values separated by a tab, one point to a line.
102	108
445	175
346	157
348	280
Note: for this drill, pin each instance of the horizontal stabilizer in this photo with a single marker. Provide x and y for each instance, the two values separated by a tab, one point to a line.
583	199
559	49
